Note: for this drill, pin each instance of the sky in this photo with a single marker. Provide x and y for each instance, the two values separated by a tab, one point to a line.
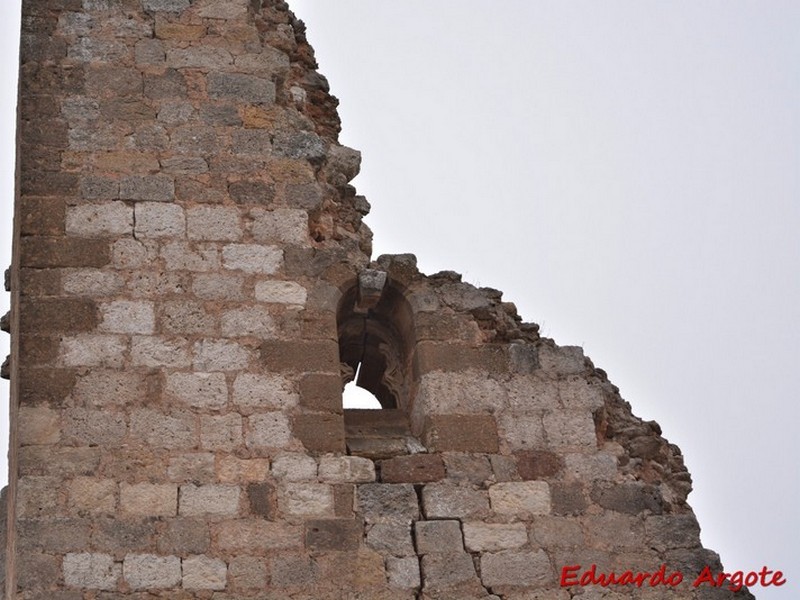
628	173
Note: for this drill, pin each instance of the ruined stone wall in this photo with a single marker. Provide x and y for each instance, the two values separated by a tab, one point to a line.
191	288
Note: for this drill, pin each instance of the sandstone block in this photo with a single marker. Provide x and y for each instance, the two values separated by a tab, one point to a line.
221	433
460	433
306	499
257	535
262	500
538	464
333	535
438	356
391	537
127	316
578	394
416	468
38	425
92	571
199	57
281	292
403	572
204	573
182	256
93	187
562	360
320	432
200	390
614	529
38	497
149	499
447	570
492	537
115	535
254	391
91	282
157	220
149	571
247	573
102	388
472	392
222	286
522	432
294	467
154	351
268	430
186	317
387	502
91	350
588	467
58	535
250	321
219	355
280	226
163	431
243	88
346	469
89	495
521	498
213	223
472	468
196	466
38	571
155	188
132	254
446	501
184	536
252	258
516	568
436	537
231	469
211	499
51	315
99	220
87	427
570	428
320	391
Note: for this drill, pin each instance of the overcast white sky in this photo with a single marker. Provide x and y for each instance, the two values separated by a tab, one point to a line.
628	173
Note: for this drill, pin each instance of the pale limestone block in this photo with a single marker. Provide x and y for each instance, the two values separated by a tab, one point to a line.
160	430
158	283
268	430
403	572
184	256
561	360
214	223
306	499
447	501
250	321
530	394
93	350
281	226
38	497
186	317
570	428
127	316
222	9
133	254
101	388
491	537
471	392
221	433
149	571
88	427
204	573
521	432
517	568
346	469
219	355
257	535
92	495
294	467
281	292
159	219
588	467
252	258
218	286
522	498
231	469
149	499
91	282
211	499
200	390
155	351
91	571
98	220
580	394
253	391
196	466
38	425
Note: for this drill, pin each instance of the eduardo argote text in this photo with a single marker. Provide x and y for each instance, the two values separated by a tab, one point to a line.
575	575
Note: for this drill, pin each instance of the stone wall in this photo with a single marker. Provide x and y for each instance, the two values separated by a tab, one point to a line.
192	286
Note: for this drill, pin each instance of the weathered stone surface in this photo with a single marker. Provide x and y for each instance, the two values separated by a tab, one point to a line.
492	537
155	188
379	502
281	292
332	535
515	568
390	537
306	499
346	469
262	499
436	537
219	355
116	535
446	570
252	258
214	223
184	536
247	573
257	535
417	468
126	316
460	433
93	350
320	391
149	499
149	571
159	220
237	86
294	467
630	498
92	571
522	498
567	498
221	433
446	501
200	390
472	468
210	499
38	425
99	220
231	469
320	432
92	496
403	572
537	464
204	573
268	430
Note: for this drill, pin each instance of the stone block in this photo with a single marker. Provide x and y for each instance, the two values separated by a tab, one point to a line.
346	469
219	355
292	570
93	350
116	535
471	468
281	292
252	258
447	501
155	351
231	469
251	192
471	392
447	570
299	144
576	393
210	499
196	466
159	220
403	572
45	385
613	530
320	432
91	571
562	360
333	535
253	391
294	467
149	499
521	498
391	537
268	431
460	433
94	187
218	286
280	226
90	495
306	499
570	429
320	355
127	316
186	317
91	282
183	256
149	571
38	282
522	432
56	535
87	427
538	464
257	535
523	358
149	52
38	497
241	88
262	500
437	537
174	6
41	252
416	468
557	532
388	502
515	568
50	315
439	356
630	498
99	220
492	537
204	573
153	188
103	388
321	391
161	430
199	390
672	531
213	223
38	571
247	573
128	253
221	433
222	9
42	216
249	321
38	425
200	57
588	467
184	536
567	498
